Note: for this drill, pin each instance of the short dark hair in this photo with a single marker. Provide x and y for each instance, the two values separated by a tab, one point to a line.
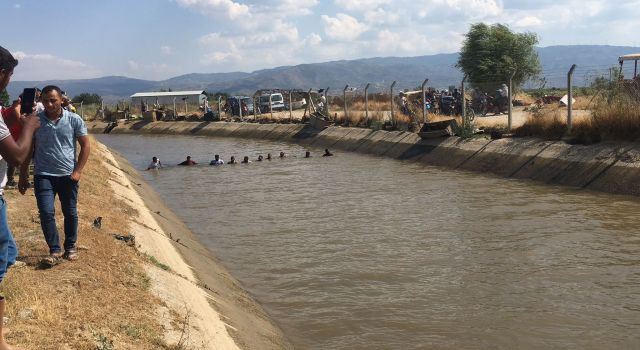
47	89
7	61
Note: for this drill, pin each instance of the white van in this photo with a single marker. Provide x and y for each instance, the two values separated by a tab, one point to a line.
277	102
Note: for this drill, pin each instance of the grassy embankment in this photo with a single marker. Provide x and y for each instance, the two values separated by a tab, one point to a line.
101	301
615	116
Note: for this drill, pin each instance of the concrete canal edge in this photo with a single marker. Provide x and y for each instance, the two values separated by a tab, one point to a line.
607	167
221	313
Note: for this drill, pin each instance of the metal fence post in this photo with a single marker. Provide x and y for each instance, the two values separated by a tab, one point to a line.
186	107
81	109
326	97
366	104
255	104
308	105
290	106
270	107
219	106
239	108
391	95
175	111
464	105
570	97
424	101
344	95
510	119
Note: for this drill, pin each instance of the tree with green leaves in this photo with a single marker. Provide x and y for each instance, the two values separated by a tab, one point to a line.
4	98
87	99
491	53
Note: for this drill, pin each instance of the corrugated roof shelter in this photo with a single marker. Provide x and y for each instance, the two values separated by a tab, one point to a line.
167	98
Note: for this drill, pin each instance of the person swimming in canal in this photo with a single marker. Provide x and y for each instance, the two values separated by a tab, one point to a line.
188	161
216	160
307	154
155	164
327	153
246	160
232	160
260	158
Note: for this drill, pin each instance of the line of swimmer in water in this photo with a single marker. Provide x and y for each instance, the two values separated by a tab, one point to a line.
157	164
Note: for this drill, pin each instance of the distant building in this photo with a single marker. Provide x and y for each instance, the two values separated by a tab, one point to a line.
168	98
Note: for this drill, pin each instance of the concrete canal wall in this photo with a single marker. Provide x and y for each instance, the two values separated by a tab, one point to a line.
608	167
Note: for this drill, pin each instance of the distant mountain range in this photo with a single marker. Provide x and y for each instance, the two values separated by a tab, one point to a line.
409	72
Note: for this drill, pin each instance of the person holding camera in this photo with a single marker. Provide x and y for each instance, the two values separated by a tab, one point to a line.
14	152
57	172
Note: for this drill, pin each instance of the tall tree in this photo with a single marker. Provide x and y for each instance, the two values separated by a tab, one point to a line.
490	54
87	98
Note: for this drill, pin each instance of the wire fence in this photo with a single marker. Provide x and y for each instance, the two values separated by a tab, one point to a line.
389	107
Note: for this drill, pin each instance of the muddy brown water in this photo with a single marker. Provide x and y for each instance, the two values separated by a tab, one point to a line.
360	252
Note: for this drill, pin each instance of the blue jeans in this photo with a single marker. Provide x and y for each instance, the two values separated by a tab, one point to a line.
46	189
8	248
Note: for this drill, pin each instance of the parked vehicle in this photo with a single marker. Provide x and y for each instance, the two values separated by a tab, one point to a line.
277	102
232	105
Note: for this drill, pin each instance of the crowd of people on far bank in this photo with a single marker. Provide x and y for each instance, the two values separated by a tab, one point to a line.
45	130
157	164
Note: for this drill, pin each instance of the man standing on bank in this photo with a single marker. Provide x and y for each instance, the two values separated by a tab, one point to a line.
56	172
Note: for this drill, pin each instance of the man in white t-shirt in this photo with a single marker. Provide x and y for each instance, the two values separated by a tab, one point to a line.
216	160
155	164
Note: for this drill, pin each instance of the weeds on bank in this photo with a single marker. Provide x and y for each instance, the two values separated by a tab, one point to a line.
615	116
155	261
103	343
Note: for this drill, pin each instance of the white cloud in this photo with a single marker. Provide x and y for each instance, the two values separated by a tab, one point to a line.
343	27
279	32
528	21
472	9
360	5
221	58
285	8
217	8
167	50
380	16
312	39
43	66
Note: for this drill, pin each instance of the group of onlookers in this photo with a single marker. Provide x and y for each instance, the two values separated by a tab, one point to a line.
47	135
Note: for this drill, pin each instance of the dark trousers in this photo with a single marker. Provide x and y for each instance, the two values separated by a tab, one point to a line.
46	189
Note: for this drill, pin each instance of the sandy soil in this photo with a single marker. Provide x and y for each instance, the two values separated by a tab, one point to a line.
221	314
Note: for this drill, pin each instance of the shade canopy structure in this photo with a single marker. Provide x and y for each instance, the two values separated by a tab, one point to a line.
631	57
169	97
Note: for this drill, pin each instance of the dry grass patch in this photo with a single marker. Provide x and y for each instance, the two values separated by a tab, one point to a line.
101	301
548	125
618	120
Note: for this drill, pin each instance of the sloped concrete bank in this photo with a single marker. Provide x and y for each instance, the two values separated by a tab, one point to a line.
608	167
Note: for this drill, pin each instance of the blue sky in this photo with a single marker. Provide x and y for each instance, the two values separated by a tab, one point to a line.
159	39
